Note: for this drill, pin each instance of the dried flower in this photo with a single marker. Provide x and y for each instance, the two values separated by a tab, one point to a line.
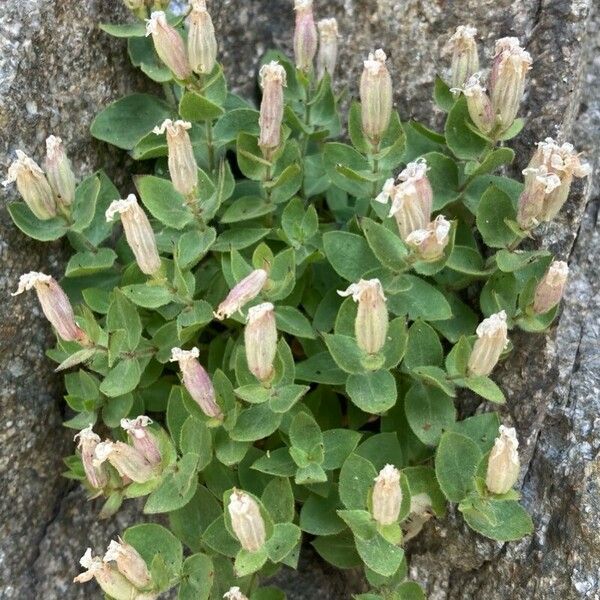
465	59
420	513
479	104
55	305
142	438
87	441
371	324
196	381
409	209
182	162
246	521
328	47
245	291
387	496
305	35
113	583
539	184
550	289
376	97
169	45
127	460
492	334
416	173
260	339
272	80
201	42
507	80
234	593
32	185
138	233
429	243
129	563
503	464
565	163
59	171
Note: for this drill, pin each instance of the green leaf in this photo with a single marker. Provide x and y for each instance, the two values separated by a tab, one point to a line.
356	480
143	55
122	378
88	263
380	555
305	434
501	520
359	141
148	295
482	429
436	377
195	439
123	315
422	480
486	388
461	139
443	175
152	540
197	108
409	590
84	205
424	346
163	202
495	206
285	397
285	537
373	392
320	368
496	158
345	351
319	517
277	462
125	122
457	359
420	300
247	563
255	423
219	539
386	245
513	130
336	155
237	239
429	412
339	550
249	157
197	578
177	488
467	260
442	95
192	246
246	209
278	500
228	127
456	462
338	444
514	261
349	254
291	320
44	231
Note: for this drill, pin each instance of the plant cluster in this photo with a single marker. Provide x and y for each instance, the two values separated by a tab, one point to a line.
275	342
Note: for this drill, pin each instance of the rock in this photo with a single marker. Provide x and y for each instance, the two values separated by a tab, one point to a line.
57	70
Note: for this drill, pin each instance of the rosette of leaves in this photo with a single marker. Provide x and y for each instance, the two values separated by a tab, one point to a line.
309	446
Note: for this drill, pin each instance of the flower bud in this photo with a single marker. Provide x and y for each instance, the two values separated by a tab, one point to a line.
328	47
169	45
113	583
87	441
371	324
32	185
429	244
59	171
128	461
138	233
129	563
245	291
387	496
465	59
503	463
234	593
409	208
507	81
182	162
55	305
416	173
479	104
550	289
260	340
538	185
376	97
201	42
492	339
246	521
272	81
305	35
196	381
142	438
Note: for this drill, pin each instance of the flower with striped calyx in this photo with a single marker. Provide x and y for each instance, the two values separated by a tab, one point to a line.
142	438
492	339
465	58
387	496
503	464
129	562
201	41
87	441
246	521
129	462
305	35
429	243
328	47
376	96
272	80
260	341
242	293
59	171
169	45
550	289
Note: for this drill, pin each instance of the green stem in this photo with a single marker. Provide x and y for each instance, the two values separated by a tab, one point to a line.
210	145
169	95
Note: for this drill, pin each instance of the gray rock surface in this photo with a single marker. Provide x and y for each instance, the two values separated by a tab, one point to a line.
57	70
